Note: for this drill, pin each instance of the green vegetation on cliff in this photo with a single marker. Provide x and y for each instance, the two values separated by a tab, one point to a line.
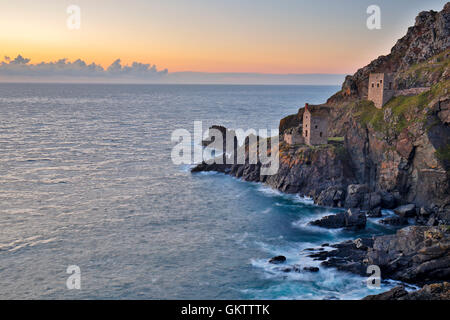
400	112
423	73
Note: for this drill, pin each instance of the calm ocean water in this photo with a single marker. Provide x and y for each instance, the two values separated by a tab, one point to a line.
86	179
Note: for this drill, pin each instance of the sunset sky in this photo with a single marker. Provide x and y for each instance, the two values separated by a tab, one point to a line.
264	36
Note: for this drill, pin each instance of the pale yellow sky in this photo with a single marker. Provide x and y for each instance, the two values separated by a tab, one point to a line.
268	36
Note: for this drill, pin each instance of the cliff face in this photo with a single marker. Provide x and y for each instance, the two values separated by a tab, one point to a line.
308	171
403	148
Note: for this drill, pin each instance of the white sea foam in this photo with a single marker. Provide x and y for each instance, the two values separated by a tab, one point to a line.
295	198
267	210
303	285
304	200
269	191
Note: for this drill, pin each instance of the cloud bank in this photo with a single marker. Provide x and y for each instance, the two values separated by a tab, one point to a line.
20	69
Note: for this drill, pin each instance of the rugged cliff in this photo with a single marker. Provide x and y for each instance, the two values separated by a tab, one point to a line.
415	254
381	158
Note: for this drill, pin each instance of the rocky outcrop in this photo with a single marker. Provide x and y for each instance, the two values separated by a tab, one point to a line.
435	291
346	256
415	254
302	169
352	219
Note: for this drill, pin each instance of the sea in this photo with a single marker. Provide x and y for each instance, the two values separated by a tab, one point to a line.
92	205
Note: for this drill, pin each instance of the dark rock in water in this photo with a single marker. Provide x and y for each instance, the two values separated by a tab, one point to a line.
298	268
355	195
355	219
435	291
374	213
325	245
277	259
347	256
331	221
311	269
408	210
395	221
351	219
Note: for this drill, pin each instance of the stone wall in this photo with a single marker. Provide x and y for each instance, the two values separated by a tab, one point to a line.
294	138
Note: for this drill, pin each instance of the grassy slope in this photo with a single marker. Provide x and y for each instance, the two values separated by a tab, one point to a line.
404	111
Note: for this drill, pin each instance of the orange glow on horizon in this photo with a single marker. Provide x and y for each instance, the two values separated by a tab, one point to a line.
195	61
208	36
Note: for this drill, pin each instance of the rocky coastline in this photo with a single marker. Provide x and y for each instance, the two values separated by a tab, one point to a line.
396	158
